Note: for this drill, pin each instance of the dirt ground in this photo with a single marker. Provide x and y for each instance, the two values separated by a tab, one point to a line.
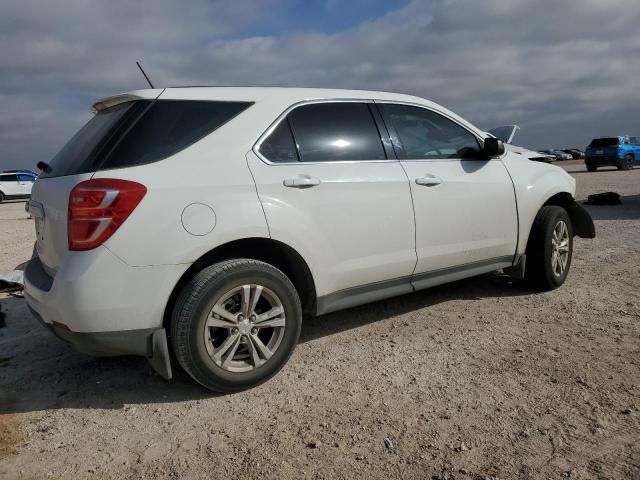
478	379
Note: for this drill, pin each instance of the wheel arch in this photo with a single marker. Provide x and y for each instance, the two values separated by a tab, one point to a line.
580	219
274	252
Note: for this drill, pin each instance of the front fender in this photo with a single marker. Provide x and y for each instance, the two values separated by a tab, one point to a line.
534	184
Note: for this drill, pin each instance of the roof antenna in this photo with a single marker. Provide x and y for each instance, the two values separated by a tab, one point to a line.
145	75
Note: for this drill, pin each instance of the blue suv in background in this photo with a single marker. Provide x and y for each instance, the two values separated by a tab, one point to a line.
622	152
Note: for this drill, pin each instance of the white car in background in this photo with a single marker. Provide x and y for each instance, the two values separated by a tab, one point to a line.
15	185
213	220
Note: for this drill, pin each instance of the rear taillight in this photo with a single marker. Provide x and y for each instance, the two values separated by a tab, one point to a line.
98	207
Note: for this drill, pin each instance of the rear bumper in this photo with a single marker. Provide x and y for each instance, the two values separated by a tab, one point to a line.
603	161
99	304
101	344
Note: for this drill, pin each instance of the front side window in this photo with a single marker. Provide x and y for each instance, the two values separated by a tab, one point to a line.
25	178
428	135
329	132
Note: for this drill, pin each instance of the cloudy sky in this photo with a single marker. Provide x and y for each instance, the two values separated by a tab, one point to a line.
564	70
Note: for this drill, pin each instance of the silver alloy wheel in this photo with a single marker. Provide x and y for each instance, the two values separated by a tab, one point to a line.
559	248
244	328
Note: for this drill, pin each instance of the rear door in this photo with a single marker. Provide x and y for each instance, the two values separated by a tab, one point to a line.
465	207
331	190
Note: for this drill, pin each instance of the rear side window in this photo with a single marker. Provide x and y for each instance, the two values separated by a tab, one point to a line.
11	177
25	178
328	132
428	135
139	132
604	142
168	127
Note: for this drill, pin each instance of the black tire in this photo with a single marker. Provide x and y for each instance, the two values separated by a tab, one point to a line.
1	197
627	163
591	168
194	304
539	271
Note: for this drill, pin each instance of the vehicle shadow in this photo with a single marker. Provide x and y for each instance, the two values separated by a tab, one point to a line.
628	210
476	288
39	372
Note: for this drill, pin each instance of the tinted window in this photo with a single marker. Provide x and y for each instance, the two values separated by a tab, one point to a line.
604	142
25	178
279	147
80	153
134	133
426	134
168	127
8	178
327	132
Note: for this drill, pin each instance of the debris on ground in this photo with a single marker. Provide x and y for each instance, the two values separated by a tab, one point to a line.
606	198
11	281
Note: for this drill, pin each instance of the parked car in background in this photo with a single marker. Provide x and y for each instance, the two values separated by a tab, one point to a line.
545	157
575	153
622	152
306	201
15	185
561	154
550	153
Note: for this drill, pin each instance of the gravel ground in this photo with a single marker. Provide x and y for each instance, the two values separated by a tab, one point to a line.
477	379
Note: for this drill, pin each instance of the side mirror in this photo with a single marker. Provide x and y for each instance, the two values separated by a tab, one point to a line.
492	147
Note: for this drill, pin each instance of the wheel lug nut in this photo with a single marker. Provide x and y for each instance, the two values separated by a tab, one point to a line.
234	331
254	331
253	318
240	317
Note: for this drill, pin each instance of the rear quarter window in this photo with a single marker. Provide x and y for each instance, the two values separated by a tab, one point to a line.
168	127
140	132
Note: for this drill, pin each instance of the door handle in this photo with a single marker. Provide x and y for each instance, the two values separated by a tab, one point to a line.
301	181
429	180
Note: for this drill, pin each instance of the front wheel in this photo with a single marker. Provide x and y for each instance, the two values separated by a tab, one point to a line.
549	248
235	324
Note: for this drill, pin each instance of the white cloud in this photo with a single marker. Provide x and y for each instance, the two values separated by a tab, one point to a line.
564	71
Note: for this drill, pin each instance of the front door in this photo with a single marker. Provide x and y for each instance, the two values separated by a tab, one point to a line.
465	209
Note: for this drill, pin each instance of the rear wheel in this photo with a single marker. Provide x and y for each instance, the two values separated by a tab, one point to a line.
549	248
591	168
235	324
627	162
1	197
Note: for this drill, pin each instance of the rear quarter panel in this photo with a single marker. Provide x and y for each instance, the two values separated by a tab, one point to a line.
213	172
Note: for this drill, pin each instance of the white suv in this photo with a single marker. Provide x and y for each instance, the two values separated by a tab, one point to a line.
15	185
211	221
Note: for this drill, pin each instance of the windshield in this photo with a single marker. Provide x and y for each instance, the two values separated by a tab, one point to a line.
604	142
